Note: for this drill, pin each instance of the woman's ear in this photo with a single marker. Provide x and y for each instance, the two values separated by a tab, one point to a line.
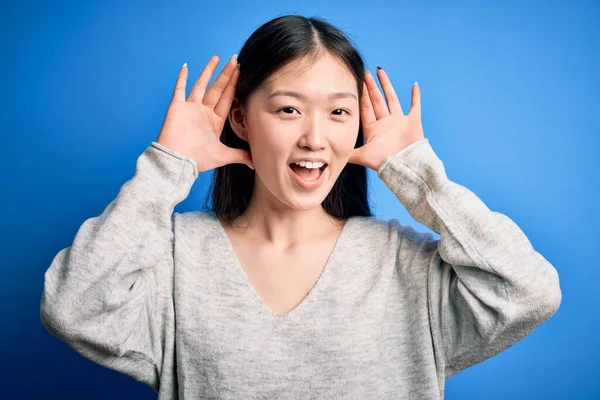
236	120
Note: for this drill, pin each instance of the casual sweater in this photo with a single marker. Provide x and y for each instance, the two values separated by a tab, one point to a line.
161	297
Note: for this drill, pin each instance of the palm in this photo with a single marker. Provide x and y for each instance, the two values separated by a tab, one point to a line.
206	119
385	127
192	126
401	131
193	117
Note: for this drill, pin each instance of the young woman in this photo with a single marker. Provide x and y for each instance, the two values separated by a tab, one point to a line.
290	288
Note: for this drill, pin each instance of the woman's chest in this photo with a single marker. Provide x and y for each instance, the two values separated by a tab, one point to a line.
243	350
353	318
281	280
345	341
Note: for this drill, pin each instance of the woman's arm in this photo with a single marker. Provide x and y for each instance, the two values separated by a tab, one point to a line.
487	286
109	295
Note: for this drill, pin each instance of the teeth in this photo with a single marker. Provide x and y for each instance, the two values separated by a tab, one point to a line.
310	165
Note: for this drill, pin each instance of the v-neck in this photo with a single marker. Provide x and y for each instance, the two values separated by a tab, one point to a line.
308	300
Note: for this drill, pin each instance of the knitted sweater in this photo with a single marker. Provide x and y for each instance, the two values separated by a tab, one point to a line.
160	296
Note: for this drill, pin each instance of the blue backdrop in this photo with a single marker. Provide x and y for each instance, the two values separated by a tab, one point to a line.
510	97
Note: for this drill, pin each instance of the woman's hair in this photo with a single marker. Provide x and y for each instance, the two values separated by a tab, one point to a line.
270	47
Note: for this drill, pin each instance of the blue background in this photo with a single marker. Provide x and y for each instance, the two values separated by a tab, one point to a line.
510	97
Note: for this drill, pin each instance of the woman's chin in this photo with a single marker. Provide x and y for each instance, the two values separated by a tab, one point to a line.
306	205
305	201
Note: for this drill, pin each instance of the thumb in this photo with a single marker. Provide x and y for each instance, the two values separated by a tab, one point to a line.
236	156
357	156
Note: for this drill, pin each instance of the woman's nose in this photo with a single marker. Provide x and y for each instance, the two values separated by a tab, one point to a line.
313	137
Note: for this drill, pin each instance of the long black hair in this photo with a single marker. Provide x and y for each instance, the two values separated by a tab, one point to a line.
270	47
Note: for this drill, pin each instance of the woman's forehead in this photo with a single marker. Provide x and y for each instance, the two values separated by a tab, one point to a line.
326	74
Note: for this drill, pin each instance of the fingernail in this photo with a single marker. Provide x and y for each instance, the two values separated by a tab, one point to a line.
249	166
416	83
378	67
184	65
234	56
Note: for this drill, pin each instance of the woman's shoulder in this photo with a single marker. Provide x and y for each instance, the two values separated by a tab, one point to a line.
195	223
387	230
198	216
371	229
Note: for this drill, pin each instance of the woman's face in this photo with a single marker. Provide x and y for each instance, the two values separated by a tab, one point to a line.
302	113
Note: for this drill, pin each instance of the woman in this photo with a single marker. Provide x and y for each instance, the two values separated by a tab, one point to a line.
290	288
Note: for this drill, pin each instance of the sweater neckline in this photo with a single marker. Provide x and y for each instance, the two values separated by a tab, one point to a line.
320	286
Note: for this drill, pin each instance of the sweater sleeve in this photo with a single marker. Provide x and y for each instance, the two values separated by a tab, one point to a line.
109	294
487	287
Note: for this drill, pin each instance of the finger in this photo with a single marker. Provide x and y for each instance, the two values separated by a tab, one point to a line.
216	89
367	113
377	99
229	155
179	91
197	92
224	105
415	105
390	94
357	157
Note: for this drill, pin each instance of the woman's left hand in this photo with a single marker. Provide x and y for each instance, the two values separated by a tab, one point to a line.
386	131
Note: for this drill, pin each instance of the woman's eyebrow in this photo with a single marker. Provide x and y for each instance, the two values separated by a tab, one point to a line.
340	95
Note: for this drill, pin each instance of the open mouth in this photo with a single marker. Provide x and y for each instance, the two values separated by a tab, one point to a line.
307	174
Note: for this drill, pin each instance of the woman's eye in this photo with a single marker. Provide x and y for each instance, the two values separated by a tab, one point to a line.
341	109
290	110
287	108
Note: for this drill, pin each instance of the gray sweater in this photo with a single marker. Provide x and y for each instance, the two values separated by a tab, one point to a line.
160	296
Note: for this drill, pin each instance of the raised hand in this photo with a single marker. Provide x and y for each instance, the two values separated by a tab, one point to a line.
192	127
386	130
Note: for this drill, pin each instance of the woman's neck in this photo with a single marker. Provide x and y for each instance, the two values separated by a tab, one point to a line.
286	228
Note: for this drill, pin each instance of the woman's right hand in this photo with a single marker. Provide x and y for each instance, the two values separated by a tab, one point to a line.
192	127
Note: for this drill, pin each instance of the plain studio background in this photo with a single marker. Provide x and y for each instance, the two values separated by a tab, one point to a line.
510	97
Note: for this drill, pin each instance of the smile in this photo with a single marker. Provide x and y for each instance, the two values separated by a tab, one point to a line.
305	177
